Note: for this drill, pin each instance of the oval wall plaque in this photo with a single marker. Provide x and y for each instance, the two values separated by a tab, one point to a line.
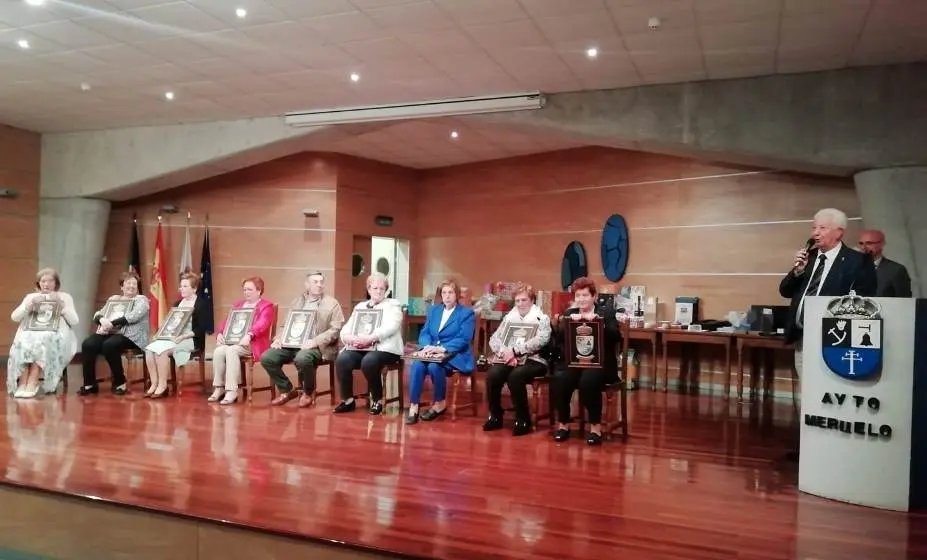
615	245
574	264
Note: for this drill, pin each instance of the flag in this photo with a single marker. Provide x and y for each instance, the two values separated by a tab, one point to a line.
157	291
135	255
186	256
205	289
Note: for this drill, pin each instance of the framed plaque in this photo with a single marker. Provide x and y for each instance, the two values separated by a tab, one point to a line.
116	308
513	334
298	328
237	325
46	317
414	352
177	319
366	321
584	341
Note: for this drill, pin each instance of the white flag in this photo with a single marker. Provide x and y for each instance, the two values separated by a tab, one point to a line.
186	256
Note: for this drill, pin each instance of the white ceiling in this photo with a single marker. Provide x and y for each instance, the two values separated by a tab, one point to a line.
289	55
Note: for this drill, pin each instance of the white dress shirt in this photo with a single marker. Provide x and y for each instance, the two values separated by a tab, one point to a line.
445	315
829	258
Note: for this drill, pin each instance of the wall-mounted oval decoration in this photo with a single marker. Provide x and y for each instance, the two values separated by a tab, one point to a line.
574	264
357	265
615	246
383	266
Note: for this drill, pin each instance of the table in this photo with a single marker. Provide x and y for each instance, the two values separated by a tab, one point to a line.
752	341
699	338
652	336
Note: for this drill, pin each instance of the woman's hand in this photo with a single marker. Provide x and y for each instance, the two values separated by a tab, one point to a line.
276	344
220	338
348	339
507	355
576	317
178	339
106	324
589	316
245	340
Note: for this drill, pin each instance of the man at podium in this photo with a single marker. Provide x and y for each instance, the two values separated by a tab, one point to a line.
825	267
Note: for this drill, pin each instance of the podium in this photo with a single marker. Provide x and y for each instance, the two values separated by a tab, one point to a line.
864	401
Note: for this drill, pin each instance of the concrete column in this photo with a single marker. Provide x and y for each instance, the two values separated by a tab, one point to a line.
894	200
72	235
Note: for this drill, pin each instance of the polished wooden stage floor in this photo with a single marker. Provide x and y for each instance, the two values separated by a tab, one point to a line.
700	479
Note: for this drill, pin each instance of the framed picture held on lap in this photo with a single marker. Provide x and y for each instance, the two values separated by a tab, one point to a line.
116	308
177	319
583	343
298	328
516	333
45	317
237	326
416	352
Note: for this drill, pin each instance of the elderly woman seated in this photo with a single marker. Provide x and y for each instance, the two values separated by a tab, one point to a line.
518	359
589	381
226	358
372	339
121	325
446	336
181	347
44	343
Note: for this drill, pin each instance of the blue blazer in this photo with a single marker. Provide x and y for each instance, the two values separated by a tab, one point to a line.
455	337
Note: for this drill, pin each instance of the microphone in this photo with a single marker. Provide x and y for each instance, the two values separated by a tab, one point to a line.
808	246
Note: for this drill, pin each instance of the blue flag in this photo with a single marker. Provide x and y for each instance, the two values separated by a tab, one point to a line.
205	289
135	259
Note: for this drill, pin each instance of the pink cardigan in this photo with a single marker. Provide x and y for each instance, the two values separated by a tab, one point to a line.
260	326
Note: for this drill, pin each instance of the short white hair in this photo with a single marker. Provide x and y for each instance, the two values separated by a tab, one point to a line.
377	277
835	217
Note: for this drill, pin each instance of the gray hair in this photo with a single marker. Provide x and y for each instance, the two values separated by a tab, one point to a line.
835	217
377	277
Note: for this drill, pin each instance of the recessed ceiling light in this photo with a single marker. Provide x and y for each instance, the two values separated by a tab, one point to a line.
592	52
454	134
85	86
355	77
23	44
35	2
169	96
241	12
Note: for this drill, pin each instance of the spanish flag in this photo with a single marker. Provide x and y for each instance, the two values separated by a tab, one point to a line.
157	291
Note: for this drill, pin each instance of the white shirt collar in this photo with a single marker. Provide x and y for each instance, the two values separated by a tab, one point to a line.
832	253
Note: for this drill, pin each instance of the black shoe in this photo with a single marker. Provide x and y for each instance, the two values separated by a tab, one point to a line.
376	409
521	427
412	419
432	414
562	434
88	390
120	390
345	407
492	424
594	439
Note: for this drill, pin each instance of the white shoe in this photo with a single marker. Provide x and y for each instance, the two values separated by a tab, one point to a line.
230	397
19	393
216	394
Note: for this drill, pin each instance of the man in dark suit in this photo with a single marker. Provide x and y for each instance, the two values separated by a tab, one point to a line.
830	268
892	276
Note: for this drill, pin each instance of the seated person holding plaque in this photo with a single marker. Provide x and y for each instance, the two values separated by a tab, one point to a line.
44	343
517	343
121	325
601	367
182	334
309	336
445	341
245	332
372	339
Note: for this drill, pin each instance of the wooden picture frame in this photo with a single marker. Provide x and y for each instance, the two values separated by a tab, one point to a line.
298	328
584	342
174	324
513	333
366	321
45	318
237	325
116	308
414	352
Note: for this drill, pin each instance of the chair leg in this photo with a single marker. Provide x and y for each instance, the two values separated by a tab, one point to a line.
331	382
624	413
202	370
399	387
249	384
455	383
175	386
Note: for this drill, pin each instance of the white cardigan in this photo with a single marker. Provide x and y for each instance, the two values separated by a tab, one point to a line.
389	333
68	313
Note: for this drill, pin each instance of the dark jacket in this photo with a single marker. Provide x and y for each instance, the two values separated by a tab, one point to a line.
893	279
851	270
199	321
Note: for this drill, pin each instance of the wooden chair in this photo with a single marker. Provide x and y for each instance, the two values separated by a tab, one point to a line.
331	381
177	385
246	385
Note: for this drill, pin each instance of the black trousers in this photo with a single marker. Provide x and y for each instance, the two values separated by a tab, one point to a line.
517	378
111	346
590	382
371	362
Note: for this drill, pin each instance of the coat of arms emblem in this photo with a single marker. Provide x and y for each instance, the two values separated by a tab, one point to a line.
851	341
585	343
